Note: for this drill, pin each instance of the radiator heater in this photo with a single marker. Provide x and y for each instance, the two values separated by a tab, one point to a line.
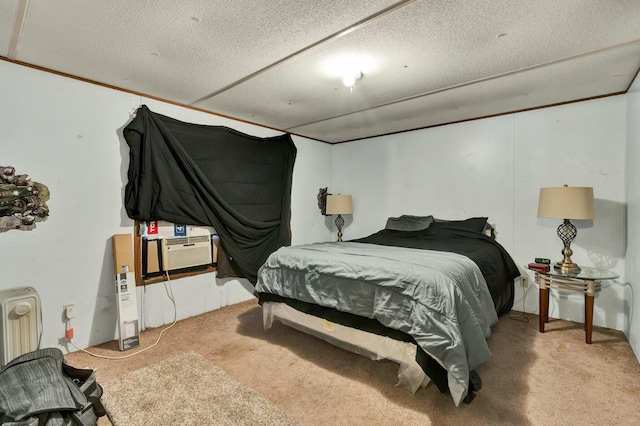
20	322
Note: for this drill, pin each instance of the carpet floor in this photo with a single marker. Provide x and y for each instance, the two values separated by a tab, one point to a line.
186	390
533	378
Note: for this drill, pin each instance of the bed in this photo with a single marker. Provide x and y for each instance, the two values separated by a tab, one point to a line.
421	292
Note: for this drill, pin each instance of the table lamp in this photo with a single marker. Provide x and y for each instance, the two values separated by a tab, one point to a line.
339	204
566	202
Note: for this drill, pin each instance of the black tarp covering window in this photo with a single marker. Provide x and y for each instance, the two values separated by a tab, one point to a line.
212	176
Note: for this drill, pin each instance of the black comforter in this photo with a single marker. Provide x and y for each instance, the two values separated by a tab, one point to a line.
496	265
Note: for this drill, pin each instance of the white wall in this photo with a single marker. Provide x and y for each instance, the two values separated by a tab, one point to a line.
495	167
632	283
455	171
67	135
580	144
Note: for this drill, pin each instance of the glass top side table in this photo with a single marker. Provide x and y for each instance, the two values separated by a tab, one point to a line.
587	282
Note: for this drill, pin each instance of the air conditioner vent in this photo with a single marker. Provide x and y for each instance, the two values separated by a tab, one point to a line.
186	252
177	241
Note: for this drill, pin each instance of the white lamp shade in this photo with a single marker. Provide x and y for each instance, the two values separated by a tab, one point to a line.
339	204
566	202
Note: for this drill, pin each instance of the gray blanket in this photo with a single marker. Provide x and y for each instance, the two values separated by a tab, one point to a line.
439	298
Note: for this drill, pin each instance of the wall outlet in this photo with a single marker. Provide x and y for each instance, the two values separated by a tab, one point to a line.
524	281
69	311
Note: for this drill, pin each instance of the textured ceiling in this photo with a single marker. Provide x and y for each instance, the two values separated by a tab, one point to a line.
277	63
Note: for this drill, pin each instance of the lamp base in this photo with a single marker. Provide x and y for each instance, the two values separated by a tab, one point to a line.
567	232
339	224
567	267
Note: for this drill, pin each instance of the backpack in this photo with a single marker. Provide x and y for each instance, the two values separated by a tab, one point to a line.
40	389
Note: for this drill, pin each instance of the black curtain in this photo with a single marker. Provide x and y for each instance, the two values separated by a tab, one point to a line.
212	176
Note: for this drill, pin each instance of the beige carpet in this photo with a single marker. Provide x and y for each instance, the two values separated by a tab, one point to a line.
533	378
186	390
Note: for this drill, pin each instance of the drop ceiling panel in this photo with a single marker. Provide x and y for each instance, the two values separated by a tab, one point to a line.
7	13
425	62
587	76
179	50
422	48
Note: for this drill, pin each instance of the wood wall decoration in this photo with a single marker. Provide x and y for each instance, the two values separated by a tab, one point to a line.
22	201
322	200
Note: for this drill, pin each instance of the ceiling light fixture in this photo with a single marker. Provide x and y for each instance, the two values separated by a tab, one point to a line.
349	79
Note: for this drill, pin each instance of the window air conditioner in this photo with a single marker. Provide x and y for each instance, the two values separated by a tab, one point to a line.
185	252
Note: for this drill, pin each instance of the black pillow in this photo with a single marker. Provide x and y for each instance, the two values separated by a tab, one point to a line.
408	223
475	224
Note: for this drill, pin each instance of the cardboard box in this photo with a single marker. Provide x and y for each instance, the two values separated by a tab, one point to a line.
122	253
161	229
126	296
128	328
153	264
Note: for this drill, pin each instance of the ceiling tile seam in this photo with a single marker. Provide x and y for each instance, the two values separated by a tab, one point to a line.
351	28
468	83
16	31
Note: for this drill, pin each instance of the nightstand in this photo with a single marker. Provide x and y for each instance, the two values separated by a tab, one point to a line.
587	282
